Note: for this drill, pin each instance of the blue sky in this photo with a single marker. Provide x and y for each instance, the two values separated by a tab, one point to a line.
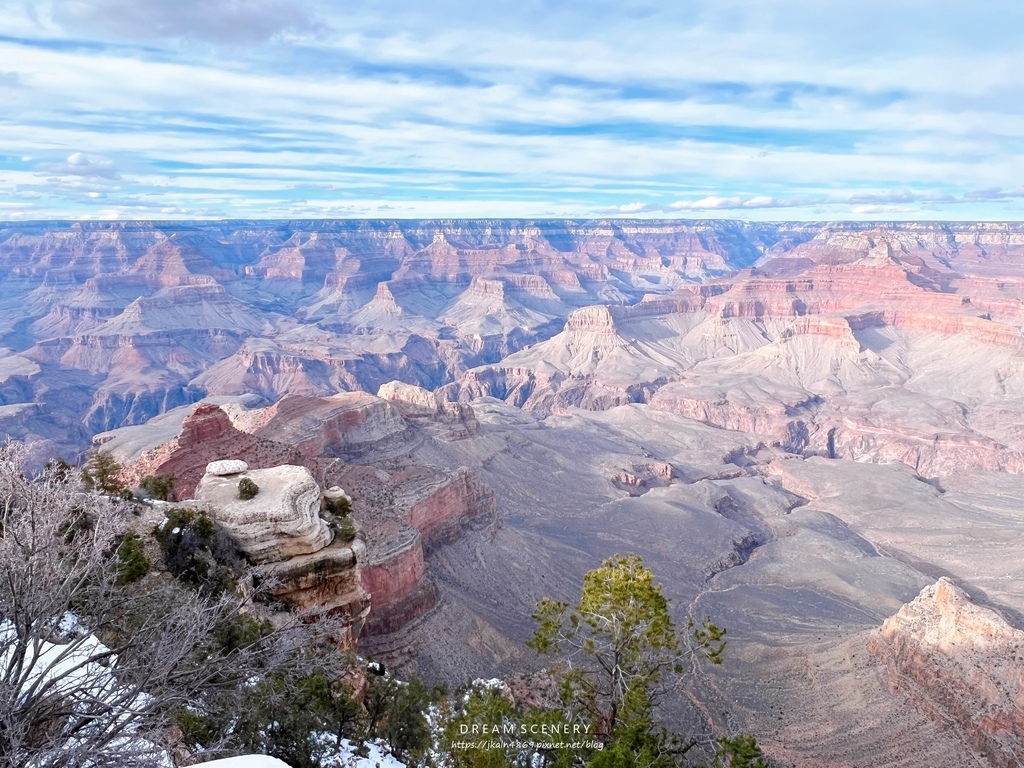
755	109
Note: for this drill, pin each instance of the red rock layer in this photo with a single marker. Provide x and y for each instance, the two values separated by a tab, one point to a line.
458	498
207	434
400	591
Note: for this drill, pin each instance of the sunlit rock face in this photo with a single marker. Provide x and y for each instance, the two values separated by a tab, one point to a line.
281	530
281	521
959	661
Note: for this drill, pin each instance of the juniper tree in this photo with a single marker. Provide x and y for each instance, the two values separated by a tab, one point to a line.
619	643
102	472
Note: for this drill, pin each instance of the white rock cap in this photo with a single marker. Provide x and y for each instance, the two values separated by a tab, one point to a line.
226	467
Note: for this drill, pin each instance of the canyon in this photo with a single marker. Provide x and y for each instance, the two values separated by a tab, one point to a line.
811	432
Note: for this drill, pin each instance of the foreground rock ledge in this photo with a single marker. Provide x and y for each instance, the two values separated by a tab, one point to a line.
281	530
959	662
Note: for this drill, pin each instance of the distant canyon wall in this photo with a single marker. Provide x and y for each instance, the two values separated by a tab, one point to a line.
108	324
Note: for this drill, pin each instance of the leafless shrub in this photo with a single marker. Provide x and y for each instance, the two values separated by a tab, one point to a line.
93	671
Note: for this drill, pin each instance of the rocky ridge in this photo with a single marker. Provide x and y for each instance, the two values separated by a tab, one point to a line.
403	512
962	662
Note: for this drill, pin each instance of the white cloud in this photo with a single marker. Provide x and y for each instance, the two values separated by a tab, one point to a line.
722	107
84	166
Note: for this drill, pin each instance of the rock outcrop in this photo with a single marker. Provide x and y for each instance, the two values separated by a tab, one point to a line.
281	521
281	527
206	435
959	662
281	530
438	507
412	402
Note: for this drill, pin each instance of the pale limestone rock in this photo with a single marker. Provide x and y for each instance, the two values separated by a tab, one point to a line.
281	521
226	467
409	394
959	661
334	493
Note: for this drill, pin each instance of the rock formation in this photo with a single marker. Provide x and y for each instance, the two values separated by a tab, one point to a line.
960	662
281	521
403	512
206	434
281	530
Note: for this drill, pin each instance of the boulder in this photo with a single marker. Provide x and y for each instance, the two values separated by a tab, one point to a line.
281	521
226	467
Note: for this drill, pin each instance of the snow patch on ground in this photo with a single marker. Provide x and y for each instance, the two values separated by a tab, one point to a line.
377	757
245	761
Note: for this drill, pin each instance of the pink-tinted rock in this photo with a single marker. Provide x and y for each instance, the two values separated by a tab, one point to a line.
959	660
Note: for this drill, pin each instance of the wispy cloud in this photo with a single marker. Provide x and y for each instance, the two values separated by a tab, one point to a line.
232	22
901	201
727	108
82	165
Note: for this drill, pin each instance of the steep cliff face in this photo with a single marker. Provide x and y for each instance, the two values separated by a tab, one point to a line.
437	508
400	590
425	507
962	663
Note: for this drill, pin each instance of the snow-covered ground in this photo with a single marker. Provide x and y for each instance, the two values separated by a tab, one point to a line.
245	761
347	758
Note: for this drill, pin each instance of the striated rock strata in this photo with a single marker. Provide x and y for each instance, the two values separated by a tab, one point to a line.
960	662
281	521
281	530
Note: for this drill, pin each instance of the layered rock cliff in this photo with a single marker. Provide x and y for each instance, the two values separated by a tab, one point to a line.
281	530
961	663
131	319
404	510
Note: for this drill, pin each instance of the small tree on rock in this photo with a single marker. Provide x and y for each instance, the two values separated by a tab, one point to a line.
158	486
103	473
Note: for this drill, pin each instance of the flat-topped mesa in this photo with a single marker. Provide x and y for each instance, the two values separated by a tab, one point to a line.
529	285
595	319
412	401
280	522
959	661
487	287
